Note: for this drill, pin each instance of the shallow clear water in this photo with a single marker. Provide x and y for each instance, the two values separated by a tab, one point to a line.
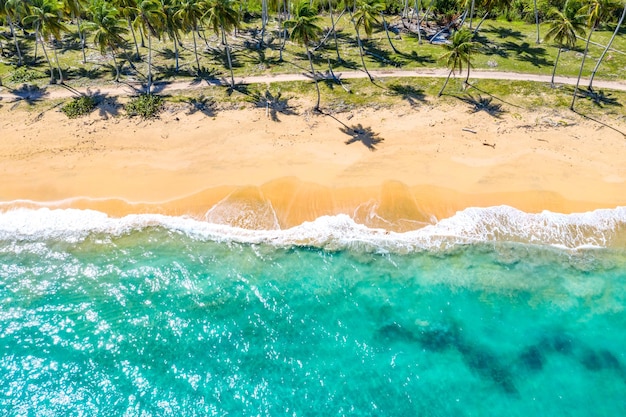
149	318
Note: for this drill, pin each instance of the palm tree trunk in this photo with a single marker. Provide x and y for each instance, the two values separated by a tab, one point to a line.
472	13
56	58
43	47
317	87
387	33
132	31
230	62
417	21
556	61
117	69
537	21
149	62
362	53
195	49
608	46
580	72
176	52
481	22
332	21
81	36
445	83
17	44
264	20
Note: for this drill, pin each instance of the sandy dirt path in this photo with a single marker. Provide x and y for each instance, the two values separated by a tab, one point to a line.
125	89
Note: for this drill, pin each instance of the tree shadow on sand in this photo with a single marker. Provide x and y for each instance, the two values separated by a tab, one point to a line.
29	93
365	135
485	104
273	104
202	104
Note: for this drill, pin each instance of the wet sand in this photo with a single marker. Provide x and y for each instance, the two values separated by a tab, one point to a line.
395	168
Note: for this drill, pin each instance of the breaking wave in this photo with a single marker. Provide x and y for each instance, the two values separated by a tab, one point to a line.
599	228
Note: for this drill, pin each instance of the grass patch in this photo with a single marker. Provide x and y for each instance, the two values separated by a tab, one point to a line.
79	106
146	106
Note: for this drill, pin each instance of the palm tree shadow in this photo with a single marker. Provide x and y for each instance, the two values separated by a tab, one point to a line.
29	93
108	106
599	98
365	135
504	32
273	104
413	95
208	75
202	104
483	104
419	59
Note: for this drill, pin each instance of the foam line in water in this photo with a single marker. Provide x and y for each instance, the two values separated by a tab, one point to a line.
599	228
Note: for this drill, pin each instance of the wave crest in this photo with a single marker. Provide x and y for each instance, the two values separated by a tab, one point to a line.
600	228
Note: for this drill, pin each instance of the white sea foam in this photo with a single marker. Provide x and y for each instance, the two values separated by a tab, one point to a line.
600	228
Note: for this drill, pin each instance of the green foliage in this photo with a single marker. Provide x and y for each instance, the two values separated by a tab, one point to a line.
79	106
23	75
147	106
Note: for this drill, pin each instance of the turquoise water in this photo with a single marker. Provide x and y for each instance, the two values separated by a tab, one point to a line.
158	316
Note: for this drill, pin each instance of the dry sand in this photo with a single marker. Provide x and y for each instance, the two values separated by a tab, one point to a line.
406	166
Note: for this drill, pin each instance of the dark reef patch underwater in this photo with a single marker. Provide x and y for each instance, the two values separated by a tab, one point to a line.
158	316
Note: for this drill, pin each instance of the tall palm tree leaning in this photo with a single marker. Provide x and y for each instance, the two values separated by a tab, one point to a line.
606	49
365	16
459	53
45	17
107	27
150	18
563	28
597	11
222	17
304	30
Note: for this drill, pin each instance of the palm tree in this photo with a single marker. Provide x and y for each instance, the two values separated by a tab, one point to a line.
172	24
10	9
150	18
107	28
366	15
459	54
45	16
563	28
597	11
222	17
190	13
606	49
74	8
128	9
304	30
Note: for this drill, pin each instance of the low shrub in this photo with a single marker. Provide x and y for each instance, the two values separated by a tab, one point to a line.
145	105
79	106
23	75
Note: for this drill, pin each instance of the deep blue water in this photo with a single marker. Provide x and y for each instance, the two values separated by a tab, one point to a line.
164	317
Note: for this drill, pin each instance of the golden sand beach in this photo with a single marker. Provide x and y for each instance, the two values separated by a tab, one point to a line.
395	168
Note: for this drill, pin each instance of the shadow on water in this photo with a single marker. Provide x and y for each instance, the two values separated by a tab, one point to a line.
365	135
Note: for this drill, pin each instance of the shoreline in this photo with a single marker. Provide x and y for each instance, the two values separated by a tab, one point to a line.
397	168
